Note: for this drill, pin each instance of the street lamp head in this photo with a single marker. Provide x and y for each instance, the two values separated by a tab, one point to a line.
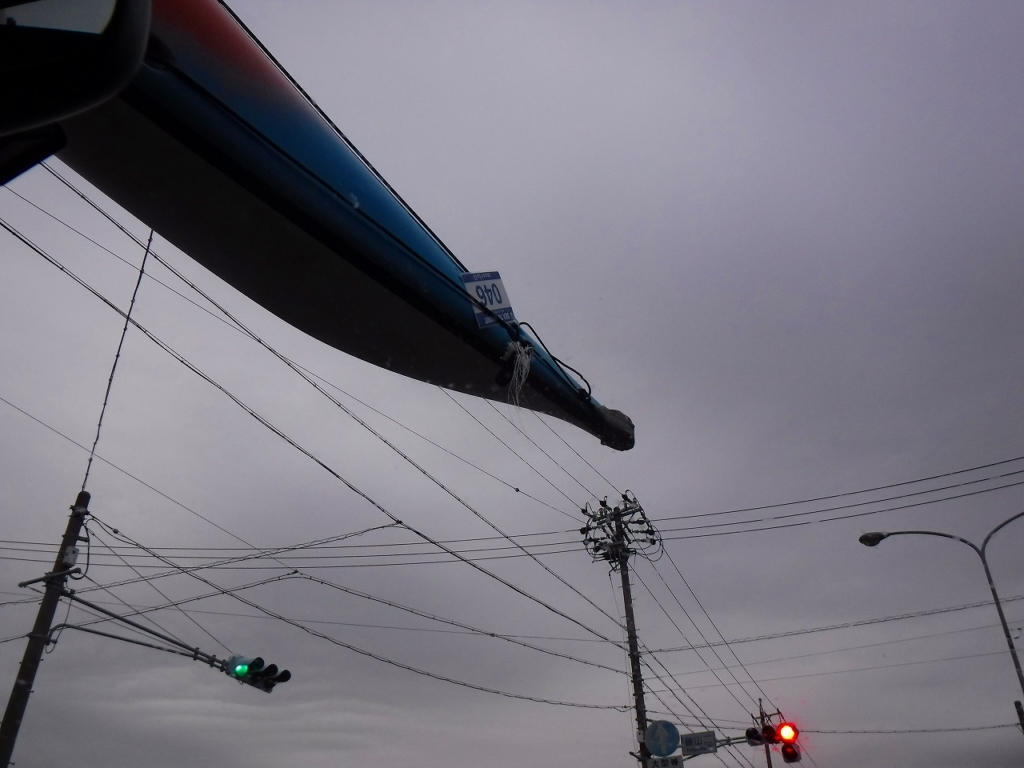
872	539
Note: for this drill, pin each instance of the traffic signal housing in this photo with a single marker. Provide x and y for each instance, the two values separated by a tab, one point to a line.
266	678
240	667
256	672
787	734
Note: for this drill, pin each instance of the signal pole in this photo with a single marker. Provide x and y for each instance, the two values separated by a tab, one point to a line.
609	535
55	582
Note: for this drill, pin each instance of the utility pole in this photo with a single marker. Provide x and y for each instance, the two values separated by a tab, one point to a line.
610	534
55	582
764	721
634	649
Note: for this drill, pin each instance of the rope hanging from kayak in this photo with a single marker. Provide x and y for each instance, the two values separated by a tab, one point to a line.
518	356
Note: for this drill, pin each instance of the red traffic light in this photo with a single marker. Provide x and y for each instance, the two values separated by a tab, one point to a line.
787	733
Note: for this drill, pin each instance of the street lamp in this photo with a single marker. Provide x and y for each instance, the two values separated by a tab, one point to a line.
873	539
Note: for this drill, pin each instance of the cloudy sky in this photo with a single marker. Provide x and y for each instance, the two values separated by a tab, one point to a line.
785	239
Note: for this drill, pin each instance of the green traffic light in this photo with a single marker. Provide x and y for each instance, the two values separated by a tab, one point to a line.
241	670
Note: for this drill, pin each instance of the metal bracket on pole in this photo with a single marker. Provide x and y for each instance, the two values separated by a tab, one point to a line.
49	576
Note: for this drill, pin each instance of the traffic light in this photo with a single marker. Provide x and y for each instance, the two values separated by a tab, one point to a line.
239	667
754	737
256	672
768	735
266	678
788	734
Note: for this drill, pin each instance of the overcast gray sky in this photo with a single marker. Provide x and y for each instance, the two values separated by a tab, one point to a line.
786	239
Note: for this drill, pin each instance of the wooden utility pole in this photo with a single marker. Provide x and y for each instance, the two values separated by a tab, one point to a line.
55	582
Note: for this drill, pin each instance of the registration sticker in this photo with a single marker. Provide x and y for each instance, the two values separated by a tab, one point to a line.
487	289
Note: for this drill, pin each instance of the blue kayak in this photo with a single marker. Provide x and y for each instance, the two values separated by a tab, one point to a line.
213	145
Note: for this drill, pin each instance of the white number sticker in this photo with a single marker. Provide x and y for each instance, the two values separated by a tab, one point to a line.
491	300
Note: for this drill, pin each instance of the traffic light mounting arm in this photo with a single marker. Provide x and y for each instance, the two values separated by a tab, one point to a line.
257	675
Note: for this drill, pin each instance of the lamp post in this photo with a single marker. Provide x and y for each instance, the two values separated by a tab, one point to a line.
872	540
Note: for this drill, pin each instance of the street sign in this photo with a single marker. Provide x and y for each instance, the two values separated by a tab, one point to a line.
666	762
662	738
702	743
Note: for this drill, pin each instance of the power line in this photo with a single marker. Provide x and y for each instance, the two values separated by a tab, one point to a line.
378	657
395	520
235	327
452	622
708	617
951	729
117	357
721	533
733	641
703	660
855	647
538	548
849	624
866	669
703	719
847	493
566	444
277	431
339	566
847	517
853	505
512	450
219	527
533	442
42	546
359	421
482	633
156	589
297	369
435	444
422	614
303	372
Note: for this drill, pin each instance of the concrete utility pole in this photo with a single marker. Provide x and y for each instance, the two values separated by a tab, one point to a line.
634	648
613	534
764	721
55	582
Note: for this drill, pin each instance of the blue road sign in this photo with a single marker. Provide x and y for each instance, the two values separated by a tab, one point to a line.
662	738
